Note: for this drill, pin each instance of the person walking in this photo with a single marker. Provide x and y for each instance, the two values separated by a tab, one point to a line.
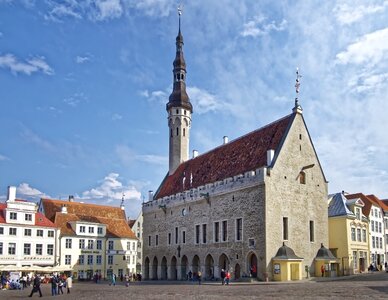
323	270
60	285
222	276
113	280
69	284
36	286
227	277
199	277
54	285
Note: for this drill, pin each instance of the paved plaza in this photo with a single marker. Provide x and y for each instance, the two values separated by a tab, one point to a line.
363	286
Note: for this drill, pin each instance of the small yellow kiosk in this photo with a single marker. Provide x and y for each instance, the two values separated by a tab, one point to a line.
286	265
326	264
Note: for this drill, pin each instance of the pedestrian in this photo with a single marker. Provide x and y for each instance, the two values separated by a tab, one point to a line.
190	275
54	285
127	277
36	286
69	284
60	285
227	277
222	276
113	280
199	277
323	270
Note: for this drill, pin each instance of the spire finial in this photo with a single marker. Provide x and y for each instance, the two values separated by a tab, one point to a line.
297	86
180	9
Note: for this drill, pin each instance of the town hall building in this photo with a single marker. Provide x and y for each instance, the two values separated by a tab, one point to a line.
255	206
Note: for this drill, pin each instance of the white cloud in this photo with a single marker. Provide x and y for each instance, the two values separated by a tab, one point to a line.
159	8
153	159
203	101
116	117
351	13
110	189
371	48
108	9
3	157
82	59
32	65
26	191
75	99
60	11
128	156
160	97
257	27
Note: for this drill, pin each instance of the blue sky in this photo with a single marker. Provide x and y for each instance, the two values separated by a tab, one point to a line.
83	88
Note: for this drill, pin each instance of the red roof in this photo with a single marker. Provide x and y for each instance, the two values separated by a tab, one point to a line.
40	219
381	203
244	154
368	201
113	217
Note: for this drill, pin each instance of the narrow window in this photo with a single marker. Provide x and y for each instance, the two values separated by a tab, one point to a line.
302	177
197	234
177	111
183	237
216	232
149	240
300	136
285	228
177	131
239	229
176	235
156	240
169	238
184	131
311	231
204	233
224	231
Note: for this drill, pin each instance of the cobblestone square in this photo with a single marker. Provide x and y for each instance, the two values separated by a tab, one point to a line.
364	286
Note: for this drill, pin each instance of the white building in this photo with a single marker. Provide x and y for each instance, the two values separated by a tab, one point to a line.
94	238
27	237
137	228
373	211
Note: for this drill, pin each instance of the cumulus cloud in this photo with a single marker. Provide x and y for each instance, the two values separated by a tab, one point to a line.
32	65
26	191
370	48
350	13
107	9
110	189
258	27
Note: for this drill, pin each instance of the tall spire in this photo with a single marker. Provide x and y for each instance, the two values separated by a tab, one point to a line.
179	97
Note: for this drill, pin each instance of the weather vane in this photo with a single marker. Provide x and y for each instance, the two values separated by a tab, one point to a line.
297	86
122	199
180	8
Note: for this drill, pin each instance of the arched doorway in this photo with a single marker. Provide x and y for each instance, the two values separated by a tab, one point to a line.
164	268
173	270
147	268
209	267
155	269
184	266
195	264
237	271
252	265
223	262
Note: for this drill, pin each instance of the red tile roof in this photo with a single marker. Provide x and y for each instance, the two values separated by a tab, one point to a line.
40	219
381	203
368	201
113	217
244	154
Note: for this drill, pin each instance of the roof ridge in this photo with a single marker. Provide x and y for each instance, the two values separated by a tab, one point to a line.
80	203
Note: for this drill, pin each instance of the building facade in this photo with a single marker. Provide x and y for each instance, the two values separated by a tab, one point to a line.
137	228
94	239
233	207
27	237
349	234
373	211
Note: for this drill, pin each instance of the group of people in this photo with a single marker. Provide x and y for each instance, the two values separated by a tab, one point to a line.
58	282
196	276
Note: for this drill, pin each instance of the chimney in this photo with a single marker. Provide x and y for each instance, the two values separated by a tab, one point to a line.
150	195
11	193
71	198
64	209
270	155
195	153
226	139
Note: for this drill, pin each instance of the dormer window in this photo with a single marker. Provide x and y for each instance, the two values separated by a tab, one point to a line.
358	214
28	217
13	216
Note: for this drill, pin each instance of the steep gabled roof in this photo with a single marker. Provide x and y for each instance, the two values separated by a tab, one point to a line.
338	207
367	201
381	203
241	155
113	217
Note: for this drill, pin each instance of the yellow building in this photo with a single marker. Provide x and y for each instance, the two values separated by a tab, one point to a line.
348	234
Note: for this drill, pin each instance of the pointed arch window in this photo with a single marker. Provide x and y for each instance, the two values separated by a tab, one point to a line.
177	131
184	131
